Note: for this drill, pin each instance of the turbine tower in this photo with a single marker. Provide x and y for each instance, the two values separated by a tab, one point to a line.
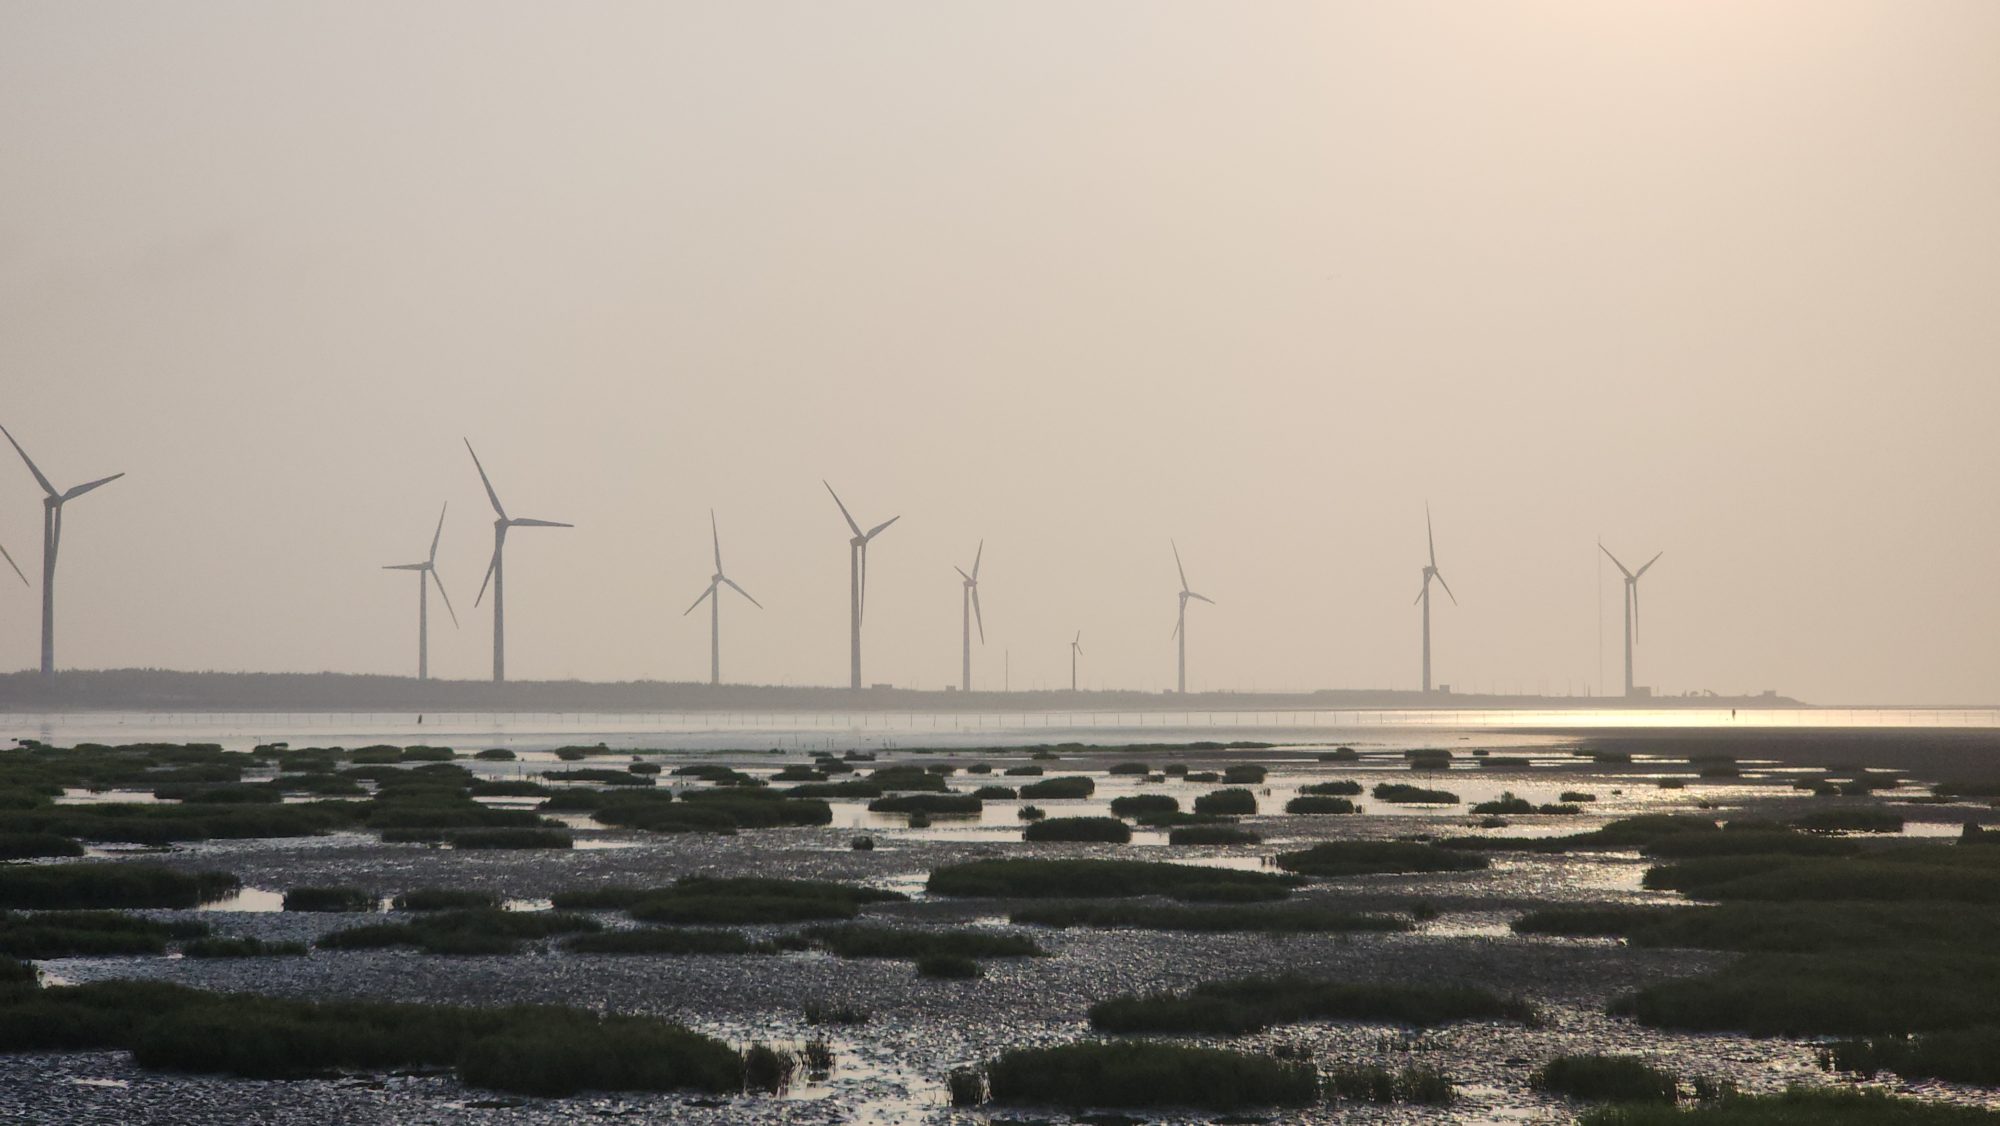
969	613
52	506
427	574
494	570
1075	647
1631	606
1180	623
857	581
715	605
1424	596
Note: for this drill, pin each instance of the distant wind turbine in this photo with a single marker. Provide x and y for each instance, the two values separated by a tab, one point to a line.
427	574
1180	623
52	506
969	613
1424	596
1631	606
1075	647
495	572
714	597
857	580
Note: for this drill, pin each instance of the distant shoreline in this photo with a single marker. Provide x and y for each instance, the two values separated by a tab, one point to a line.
159	690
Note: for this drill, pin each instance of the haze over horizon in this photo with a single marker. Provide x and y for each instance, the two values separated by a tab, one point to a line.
1710	280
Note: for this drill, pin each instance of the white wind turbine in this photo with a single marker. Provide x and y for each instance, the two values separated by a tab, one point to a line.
1075	647
427	574
495	573
714	597
857	581
1180	623
969	613
1631	606
1424	596
52	514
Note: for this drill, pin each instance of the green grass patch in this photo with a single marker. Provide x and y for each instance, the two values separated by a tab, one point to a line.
463	932
1231	802
329	899
1602	1078
110	884
1068	786
444	899
1417	1084
1312	804
1402	793
1145	805
1142	1074
88	934
1967	1055
1099	830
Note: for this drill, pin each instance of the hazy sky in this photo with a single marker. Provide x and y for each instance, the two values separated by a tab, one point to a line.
1713	278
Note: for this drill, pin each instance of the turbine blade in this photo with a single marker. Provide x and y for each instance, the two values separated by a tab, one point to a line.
11	563
84	488
976	557
744	593
1649	563
1635	610
702	599
32	467
1422	589
716	533
1203	597
843	508
490	568
490	494
1614	560
540	524
407	567
1447	587
977	617
441	594
882	527
1429	536
963	575
439	534
864	580
1177	564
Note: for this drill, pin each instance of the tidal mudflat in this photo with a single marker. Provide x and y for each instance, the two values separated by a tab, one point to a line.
1198	932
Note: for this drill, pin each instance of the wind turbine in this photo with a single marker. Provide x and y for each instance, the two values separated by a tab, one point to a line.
1075	647
427	574
1631	606
857	580
52	506
715	605
1424	596
494	571
969	613
1180	623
